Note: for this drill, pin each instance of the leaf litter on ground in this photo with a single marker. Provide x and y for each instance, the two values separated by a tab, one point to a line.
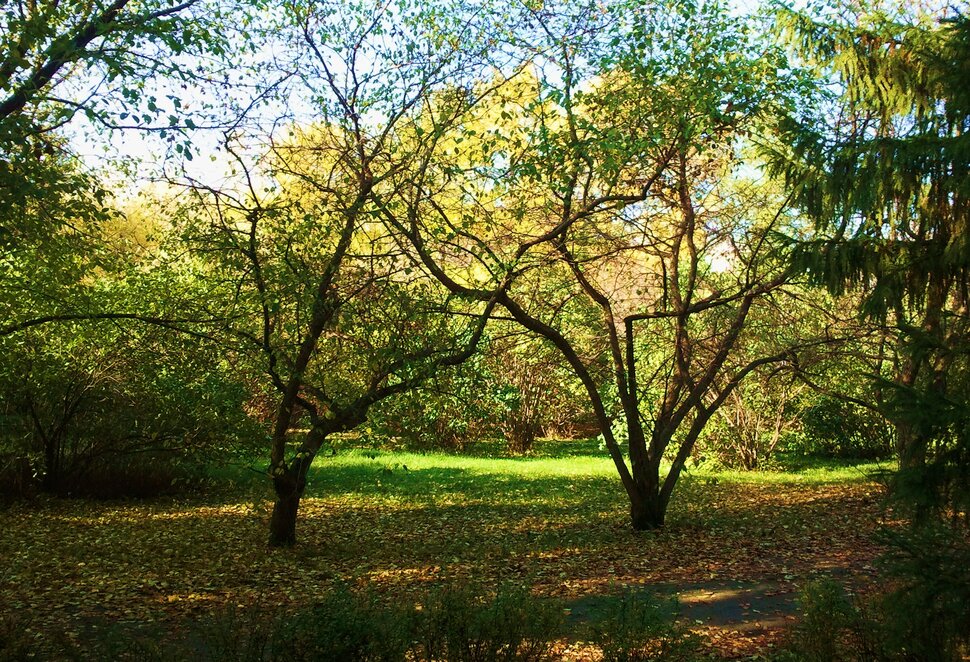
556	526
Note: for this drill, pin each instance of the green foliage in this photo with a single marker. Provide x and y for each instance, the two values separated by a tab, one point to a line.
518	391
534	391
105	411
641	626
344	626
923	616
832	627
927	612
55	56
15	645
449	412
100	408
880	188
887	191
938	488
761	416
838	429
453	624
96	65
460	624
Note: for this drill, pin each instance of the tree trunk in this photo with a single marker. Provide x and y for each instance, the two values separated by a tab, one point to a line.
52	464
521	433
647	513
910	446
749	459
289	489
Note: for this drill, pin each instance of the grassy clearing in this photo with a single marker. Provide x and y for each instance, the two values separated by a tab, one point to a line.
805	473
403	522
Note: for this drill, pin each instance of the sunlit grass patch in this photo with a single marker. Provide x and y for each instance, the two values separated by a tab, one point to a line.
817	473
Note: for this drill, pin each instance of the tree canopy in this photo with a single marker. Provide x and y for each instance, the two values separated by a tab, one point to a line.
649	199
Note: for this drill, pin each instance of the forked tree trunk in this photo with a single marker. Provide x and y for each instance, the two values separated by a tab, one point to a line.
289	490
749	459
647	513
290	484
650	494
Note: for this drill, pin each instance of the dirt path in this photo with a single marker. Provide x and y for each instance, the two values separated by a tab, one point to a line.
739	605
734	617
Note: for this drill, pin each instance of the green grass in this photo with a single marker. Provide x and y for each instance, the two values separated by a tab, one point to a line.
561	487
557	480
820	472
348	465
407	474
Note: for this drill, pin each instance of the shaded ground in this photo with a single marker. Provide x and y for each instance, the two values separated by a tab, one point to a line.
736	551
736	618
741	606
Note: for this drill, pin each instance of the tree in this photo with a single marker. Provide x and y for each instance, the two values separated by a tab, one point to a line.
91	399
535	391
516	387
89	66
94	59
75	387
105	410
885	183
325	312
592	188
754	419
320	296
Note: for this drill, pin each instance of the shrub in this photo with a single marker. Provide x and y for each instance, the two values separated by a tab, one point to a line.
459	626
137	476
445	413
15	645
18	477
92	410
832	627
757	418
344	626
921	619
928	611
455	625
235	635
838	429
642	626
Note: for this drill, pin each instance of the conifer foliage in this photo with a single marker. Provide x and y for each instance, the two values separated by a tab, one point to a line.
886	183
883	170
